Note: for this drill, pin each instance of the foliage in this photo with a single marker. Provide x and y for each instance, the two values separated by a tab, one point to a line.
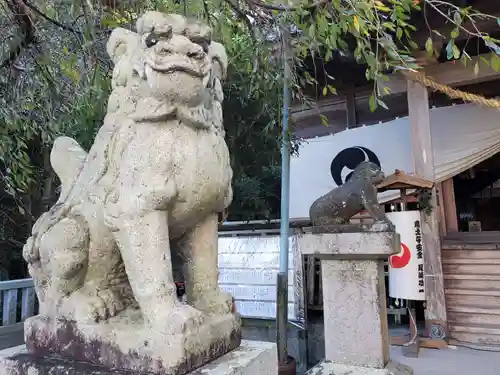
377	34
252	115
425	200
57	85
60	86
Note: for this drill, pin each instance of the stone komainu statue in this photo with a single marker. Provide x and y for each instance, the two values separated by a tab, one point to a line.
357	194
150	188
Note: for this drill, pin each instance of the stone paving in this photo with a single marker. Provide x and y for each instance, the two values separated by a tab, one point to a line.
451	361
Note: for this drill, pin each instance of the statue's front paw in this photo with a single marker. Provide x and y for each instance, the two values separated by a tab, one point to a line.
179	319
215	303
384	222
84	307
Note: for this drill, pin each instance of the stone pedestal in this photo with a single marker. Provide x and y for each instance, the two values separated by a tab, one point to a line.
125	343
250	358
354	299
356	329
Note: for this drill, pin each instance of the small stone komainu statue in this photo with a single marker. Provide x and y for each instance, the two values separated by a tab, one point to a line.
359	193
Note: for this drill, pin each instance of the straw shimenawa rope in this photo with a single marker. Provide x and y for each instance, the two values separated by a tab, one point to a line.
452	93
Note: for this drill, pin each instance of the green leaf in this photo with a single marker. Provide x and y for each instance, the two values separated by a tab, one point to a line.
389	25
325	91
492	45
356	23
464	58
382	104
476	68
456	52
449	49
110	23
412	44
495	63
429	46
328	55
485	60
454	33
312	31
324	120
399	32
372	102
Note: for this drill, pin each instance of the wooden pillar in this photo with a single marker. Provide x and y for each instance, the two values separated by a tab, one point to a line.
423	160
441	213
450	207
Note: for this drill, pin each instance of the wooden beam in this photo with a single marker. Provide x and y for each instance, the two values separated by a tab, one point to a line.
451	73
330	103
423	159
351	107
450	208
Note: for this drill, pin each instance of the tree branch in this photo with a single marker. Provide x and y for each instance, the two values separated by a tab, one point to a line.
281	8
22	16
51	20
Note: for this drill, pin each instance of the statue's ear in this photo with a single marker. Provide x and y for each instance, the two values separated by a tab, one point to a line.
119	42
218	55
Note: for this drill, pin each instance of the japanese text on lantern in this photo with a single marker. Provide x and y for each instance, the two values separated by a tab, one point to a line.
420	256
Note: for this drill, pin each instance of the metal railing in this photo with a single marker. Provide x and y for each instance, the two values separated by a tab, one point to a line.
18	300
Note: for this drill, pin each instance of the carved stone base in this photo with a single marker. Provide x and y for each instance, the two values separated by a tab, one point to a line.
250	358
124	343
332	368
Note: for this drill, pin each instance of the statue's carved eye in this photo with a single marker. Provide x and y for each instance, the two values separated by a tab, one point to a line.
204	43
151	40
205	46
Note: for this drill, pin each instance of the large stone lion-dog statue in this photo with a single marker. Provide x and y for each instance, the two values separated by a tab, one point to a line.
150	187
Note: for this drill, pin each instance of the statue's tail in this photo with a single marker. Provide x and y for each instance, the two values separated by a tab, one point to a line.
67	158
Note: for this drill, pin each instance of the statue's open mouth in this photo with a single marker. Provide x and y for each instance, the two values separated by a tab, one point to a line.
178	68
153	71
173	65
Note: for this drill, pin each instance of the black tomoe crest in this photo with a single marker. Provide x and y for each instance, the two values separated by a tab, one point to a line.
350	158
